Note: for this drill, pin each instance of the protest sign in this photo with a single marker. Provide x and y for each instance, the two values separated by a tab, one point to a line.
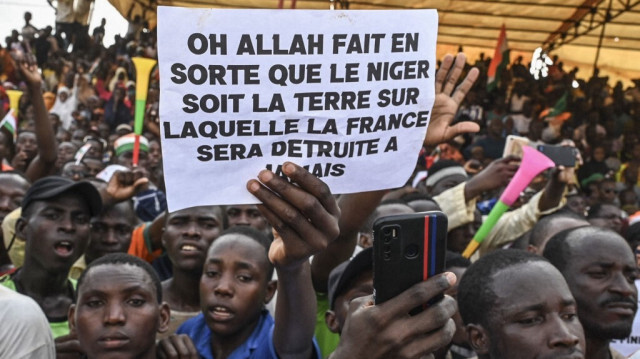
347	94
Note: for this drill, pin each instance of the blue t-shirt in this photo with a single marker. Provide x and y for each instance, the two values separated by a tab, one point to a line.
259	345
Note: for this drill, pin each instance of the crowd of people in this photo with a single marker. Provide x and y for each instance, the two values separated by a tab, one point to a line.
92	264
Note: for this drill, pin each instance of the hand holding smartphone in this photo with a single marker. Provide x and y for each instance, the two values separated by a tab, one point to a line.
407	249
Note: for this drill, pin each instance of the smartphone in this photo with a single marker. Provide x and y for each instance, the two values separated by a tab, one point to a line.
513	145
407	249
560	155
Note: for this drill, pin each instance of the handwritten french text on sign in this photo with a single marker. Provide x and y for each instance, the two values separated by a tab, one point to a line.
347	94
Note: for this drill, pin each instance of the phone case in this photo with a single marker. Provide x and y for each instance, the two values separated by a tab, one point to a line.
560	155
407	249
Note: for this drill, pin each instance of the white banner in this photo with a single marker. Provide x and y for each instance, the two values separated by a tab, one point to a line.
347	94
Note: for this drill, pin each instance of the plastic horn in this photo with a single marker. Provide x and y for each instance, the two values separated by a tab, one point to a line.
14	100
143	70
533	162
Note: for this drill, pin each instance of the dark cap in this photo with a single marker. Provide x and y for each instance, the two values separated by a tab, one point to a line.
343	274
53	186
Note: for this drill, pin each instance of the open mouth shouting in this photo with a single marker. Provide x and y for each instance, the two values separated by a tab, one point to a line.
64	248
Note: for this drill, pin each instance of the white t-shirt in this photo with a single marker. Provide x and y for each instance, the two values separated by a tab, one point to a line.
64	12
25	330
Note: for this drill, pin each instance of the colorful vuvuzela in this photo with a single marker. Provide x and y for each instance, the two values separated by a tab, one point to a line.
14	100
143	70
533	162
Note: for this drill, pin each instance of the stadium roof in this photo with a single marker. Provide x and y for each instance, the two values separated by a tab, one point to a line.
572	29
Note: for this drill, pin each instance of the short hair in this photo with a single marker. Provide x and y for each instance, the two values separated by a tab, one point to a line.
476	298
124	259
558	250
454	259
254	234
594	210
367	226
542	228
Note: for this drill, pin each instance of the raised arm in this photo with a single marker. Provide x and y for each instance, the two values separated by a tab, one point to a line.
355	209
44	162
305	216
448	101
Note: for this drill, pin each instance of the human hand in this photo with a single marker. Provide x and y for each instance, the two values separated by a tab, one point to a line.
19	161
447	101
29	71
177	346
124	184
497	174
303	212
387	330
68	347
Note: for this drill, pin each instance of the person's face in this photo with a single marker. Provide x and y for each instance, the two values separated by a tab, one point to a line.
609	217
74	171
608	192
155	154
55	120
234	286
246	215
117	314
63	96
495	127
361	286
446	183
111	231
56	231
77	137
95	150
94	166
577	204
601	272
12	190
598	154
189	233
26	143
534	316
66	152
126	159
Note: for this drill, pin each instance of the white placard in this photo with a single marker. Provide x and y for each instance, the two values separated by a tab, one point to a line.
346	93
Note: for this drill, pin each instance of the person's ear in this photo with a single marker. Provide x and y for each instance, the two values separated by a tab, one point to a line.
162	238
21	224
163	318
72	318
331	320
272	285
478	338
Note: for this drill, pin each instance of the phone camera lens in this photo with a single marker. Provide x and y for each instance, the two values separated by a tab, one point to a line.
411	251
386	256
387	249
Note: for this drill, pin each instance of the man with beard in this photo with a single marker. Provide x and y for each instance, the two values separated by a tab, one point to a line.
600	270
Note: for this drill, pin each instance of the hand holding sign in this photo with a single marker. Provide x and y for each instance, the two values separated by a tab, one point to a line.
446	104
304	213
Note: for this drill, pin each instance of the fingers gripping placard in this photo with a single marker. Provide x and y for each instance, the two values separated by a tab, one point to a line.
347	94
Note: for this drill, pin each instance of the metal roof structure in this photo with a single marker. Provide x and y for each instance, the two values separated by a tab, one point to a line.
578	31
